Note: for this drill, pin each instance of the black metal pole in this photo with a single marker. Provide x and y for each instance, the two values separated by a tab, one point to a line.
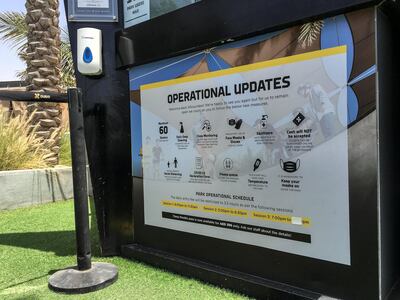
78	154
87	277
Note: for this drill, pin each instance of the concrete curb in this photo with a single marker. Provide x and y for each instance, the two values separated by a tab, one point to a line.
31	187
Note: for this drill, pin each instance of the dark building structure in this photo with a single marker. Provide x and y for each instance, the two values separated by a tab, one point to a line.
340	238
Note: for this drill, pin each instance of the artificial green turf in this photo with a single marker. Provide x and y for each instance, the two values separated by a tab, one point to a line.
34	242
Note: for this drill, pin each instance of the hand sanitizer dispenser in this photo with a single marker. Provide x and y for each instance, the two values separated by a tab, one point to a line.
89	51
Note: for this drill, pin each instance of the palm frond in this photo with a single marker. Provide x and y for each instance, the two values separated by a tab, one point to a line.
64	35
13	29
22	74
67	65
309	32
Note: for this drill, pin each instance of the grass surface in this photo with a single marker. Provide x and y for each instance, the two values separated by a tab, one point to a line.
34	242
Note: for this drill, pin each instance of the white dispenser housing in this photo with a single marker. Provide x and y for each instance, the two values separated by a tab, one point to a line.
89	51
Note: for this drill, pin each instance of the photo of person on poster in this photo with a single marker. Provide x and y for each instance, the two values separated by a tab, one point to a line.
157	153
322	107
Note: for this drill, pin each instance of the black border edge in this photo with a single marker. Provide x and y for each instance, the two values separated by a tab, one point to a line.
387	28
202	25
230	279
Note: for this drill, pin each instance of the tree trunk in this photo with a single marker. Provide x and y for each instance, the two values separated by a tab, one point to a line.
43	70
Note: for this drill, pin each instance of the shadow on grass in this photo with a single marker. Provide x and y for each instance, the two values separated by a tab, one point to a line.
51	272
61	243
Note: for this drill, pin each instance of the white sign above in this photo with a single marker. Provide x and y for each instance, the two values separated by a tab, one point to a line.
135	12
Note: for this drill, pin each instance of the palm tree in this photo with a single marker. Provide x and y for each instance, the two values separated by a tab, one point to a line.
47	54
42	57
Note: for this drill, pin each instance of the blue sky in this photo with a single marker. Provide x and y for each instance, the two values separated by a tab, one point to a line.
9	61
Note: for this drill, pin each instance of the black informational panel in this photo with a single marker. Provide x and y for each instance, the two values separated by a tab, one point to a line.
208	23
107	129
257	271
357	281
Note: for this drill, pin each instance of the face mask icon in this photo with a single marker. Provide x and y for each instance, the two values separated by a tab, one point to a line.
237	123
290	166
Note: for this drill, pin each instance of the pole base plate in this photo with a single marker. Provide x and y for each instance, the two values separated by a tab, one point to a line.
73	281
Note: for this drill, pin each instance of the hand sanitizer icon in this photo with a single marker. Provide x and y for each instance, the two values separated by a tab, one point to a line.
182	130
263	122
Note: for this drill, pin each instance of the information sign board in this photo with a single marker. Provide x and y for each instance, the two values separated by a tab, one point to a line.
255	154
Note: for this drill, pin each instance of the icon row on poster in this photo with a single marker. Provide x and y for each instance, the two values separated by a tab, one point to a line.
287	166
235	123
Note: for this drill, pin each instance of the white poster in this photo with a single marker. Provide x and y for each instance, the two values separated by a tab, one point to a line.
255	154
136	11
93	4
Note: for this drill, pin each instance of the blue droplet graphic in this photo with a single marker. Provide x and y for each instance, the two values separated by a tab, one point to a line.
87	55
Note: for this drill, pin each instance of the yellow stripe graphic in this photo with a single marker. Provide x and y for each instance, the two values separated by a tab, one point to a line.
250	67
